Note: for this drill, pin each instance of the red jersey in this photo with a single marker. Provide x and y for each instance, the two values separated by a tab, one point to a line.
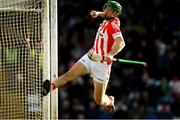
105	36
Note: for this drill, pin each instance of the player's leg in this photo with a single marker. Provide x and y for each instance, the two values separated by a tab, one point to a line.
101	98
101	73
99	94
77	70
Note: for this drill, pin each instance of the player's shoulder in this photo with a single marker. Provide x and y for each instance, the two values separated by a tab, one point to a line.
115	23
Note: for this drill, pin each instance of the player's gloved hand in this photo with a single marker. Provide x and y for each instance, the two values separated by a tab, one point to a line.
46	86
108	58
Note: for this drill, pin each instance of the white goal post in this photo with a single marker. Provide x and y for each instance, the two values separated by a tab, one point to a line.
28	56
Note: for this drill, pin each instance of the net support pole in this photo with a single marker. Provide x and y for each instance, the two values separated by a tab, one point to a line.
54	56
50	57
46	58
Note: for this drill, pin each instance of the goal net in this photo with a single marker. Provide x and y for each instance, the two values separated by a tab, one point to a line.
24	44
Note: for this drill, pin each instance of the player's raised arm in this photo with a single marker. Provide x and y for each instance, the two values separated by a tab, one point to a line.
95	14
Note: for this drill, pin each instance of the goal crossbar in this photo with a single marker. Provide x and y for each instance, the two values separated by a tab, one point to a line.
20	10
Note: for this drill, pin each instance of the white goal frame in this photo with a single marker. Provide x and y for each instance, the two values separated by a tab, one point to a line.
49	31
50	57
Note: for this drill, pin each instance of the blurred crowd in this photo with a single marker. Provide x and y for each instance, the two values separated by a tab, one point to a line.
151	30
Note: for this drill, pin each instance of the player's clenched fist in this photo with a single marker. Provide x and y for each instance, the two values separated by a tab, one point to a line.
93	14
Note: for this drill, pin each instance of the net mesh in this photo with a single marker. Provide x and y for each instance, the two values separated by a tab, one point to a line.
21	59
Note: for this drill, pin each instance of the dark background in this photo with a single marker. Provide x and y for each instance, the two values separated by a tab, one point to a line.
151	29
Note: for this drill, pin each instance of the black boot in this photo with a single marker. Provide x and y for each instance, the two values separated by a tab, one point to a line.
46	87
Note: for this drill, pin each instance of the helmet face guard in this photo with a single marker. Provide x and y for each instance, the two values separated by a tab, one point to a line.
115	6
